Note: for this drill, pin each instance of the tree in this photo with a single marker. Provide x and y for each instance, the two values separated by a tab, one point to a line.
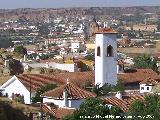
95	108
20	50
41	90
90	57
106	88
15	67
44	56
43	29
5	42
146	62
150	106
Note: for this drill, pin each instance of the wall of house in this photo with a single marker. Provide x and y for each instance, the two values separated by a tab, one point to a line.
75	103
67	67
145	88
120	68
17	87
60	103
77	47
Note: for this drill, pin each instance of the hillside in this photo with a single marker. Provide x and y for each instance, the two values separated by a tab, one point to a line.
11	110
41	14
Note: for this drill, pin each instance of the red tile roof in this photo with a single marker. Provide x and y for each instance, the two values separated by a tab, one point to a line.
58	113
37	80
62	112
73	92
138	75
78	78
149	81
105	31
125	102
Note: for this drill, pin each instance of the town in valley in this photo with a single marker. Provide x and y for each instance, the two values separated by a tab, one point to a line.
80	63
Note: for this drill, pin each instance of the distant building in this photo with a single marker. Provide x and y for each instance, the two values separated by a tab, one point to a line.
77	47
146	85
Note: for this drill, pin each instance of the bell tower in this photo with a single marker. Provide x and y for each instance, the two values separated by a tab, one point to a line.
106	57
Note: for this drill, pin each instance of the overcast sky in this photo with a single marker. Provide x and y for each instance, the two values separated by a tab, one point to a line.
74	3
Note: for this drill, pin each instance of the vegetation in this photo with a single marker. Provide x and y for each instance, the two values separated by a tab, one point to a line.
90	57
105	89
41	90
15	67
11	110
150	106
44	57
146	62
94	108
156	88
5	42
20	50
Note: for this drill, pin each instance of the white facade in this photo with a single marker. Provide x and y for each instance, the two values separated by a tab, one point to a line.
145	88
120	68
60	103
106	59
67	67
77	47
13	85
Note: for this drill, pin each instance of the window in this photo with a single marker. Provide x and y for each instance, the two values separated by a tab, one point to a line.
109	51
147	88
142	88
98	51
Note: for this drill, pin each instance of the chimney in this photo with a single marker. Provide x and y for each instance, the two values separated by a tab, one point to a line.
24	58
65	98
119	95
6	63
67	80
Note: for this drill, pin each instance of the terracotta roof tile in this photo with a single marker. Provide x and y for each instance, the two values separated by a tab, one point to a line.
58	113
73	92
125	102
37	80
105	31
78	78
138	75
149	81
62	112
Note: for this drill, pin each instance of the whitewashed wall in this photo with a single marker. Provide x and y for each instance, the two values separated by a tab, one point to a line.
145	88
15	86
67	67
105	67
60	103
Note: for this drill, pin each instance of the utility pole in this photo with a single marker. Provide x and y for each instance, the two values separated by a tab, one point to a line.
30	91
41	110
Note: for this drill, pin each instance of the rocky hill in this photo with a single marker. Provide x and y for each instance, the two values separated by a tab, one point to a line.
41	14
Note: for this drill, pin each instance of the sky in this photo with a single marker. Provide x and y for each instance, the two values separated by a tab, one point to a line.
12	4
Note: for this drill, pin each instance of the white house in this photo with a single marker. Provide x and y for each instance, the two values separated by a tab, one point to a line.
146	85
77	47
24	83
14	85
68	95
105	57
61	66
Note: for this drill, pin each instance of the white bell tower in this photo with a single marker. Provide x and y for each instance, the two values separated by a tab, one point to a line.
106	57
